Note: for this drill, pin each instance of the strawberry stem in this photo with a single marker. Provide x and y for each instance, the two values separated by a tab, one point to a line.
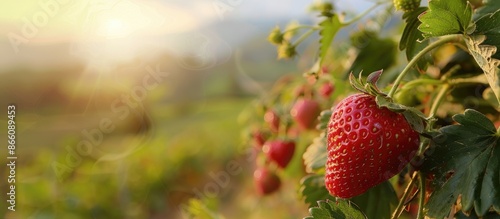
417	57
420	214
480	79
416	82
438	100
400	207
303	37
302	27
359	16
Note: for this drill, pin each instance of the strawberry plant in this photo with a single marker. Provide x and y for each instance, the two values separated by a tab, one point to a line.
417	140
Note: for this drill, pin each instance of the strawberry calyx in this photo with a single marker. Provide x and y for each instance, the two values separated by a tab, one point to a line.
414	116
369	86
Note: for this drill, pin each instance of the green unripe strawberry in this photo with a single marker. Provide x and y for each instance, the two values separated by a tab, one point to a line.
325	8
406	5
286	51
275	37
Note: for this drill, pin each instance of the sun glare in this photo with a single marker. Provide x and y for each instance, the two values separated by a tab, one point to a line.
102	31
115	27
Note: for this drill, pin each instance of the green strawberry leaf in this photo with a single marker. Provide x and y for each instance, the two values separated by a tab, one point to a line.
316	155
445	17
378	202
489	25
411	34
489	215
412	39
482	54
385	51
340	209
329	28
312	189
470	152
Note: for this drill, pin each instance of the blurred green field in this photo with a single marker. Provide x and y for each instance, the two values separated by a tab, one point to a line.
157	156
140	173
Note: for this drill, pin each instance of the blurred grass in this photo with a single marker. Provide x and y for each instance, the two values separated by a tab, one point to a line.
173	159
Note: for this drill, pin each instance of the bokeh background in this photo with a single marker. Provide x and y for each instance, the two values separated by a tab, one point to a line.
129	109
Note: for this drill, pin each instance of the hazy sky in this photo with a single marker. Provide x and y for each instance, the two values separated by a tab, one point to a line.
67	17
121	28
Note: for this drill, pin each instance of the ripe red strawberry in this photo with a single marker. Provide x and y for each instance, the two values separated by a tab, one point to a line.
305	113
326	89
266	181
279	151
366	146
273	120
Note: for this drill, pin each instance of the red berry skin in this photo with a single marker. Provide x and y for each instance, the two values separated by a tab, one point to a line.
279	151
273	120
324	70
305	113
259	138
366	146
326	89
266	182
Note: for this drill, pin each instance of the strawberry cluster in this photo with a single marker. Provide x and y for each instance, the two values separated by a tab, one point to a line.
275	134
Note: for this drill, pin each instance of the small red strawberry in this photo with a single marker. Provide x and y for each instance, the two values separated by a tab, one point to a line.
326	89
266	182
366	146
273	120
279	151
259	138
305	113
